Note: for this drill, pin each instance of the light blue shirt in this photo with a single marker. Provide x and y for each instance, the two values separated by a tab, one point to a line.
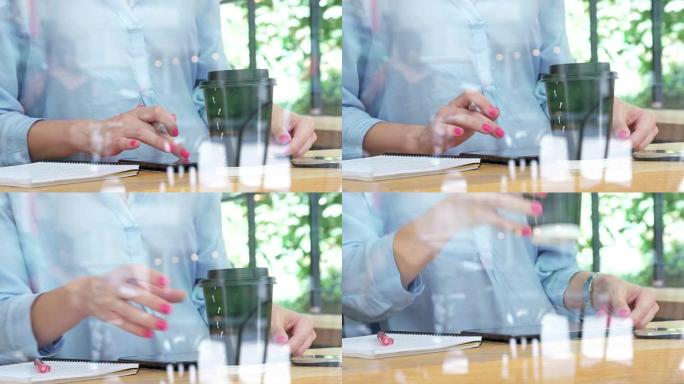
404	59
50	239
85	59
481	278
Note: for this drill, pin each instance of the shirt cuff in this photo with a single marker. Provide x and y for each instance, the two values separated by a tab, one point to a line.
558	284
21	338
356	125
14	129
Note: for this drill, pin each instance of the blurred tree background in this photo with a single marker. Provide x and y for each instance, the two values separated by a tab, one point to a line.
626	236
625	40
283	244
284	47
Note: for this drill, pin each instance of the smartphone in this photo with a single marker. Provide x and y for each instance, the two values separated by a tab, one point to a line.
159	167
317	361
516	154
659	333
317	162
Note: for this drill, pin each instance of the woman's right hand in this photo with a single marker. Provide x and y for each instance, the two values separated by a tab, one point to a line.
127	131
455	123
111	297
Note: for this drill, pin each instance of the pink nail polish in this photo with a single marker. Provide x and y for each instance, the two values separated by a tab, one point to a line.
281	339
601	312
624	312
487	128
185	154
141	106
148	333
165	308
458	131
162	325
284	138
134	143
175	132
163	281
499	133
173	116
624	134
493	112
537	208
526	232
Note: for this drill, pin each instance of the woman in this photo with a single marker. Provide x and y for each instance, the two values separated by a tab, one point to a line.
435	263
430	77
82	79
98	276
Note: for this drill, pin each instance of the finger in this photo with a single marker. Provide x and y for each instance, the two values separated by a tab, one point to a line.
306	345
167	293
300	333
151	136
651	136
642	127
491	217
648	317
139	317
643	304
464	118
302	135
511	202
306	147
141	273
620	127
483	104
278	333
157	114
114	319
618	303
457	137
145	298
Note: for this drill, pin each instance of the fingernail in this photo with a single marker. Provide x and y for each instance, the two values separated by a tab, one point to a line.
184	153
623	134
141	106
173	116
167	147
134	143
493	112
281	339
526	232
537	208
148	333
172	147
487	128
284	138
165	308
163	281
624	312
499	133
175	132
162	325
458	131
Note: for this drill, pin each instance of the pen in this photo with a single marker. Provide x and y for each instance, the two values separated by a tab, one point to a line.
384	340
40	366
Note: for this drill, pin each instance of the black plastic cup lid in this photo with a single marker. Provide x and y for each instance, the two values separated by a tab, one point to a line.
579	71
237	276
238	77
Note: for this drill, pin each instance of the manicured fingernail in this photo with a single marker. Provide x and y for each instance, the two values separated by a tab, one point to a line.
537	208
165	308
499	133
281	339
284	138
175	132
493	112
184	153
526	232
167	147
163	281
487	128
162	325
173	116
458	131
148	333
623	134
134	143
624	312
172	147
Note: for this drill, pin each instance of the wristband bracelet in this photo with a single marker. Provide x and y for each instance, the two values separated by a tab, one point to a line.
587	292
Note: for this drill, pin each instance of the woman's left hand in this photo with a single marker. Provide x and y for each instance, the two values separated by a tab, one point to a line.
623	299
293	130
639	125
292	328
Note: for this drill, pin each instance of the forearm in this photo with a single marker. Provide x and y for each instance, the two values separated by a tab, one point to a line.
573	298
387	137
411	253
53	313
55	139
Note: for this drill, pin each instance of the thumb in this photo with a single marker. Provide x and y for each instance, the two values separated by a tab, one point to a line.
618	302
280	126
620	127
278	333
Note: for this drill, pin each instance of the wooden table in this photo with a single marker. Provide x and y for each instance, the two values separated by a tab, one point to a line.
277	373
654	361
645	176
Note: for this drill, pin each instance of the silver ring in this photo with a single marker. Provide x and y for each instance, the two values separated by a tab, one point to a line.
472	106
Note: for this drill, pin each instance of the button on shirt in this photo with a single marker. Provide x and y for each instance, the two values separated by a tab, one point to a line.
84	59
481	278
50	239
403	60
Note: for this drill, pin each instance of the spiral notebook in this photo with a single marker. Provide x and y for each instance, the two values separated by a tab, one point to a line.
394	166
405	343
55	173
64	371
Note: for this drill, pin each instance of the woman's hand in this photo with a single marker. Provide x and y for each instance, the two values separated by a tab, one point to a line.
293	130
636	124
127	131
111	297
455	123
620	298
418	242
292	328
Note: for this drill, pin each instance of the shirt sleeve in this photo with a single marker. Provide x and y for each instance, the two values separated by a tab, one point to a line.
211	56
371	284
211	250
17	342
356	45
555	48
14	125
555	266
